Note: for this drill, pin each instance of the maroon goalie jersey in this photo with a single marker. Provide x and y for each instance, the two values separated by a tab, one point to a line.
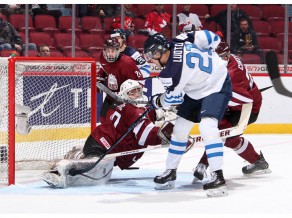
117	72
244	89
118	120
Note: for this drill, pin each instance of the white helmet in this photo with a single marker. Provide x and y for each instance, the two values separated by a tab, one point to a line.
131	90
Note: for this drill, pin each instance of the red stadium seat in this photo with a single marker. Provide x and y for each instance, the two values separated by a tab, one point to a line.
254	12
90	23
168	8
46	23
78	54
144	9
216	9
56	54
91	42
270	11
96	55
137	40
7	53
31	53
65	24
277	26
107	24
41	38
269	43
63	41
200	10
250	59
18	22
261	28
209	25
139	23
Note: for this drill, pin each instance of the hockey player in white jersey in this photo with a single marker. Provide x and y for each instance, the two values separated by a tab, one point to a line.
196	79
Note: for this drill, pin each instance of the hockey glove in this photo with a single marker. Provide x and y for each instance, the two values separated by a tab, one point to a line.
155	101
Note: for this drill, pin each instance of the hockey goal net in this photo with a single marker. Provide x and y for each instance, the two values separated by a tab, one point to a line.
58	95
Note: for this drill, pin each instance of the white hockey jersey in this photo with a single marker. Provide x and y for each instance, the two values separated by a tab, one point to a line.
193	68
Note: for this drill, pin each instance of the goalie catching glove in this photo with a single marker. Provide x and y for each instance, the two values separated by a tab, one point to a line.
163	115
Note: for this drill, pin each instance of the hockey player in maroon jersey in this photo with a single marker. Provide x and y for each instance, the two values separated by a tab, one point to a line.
244	90
118	119
115	69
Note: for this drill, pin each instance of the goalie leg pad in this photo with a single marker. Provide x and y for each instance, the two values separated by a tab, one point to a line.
75	153
59	177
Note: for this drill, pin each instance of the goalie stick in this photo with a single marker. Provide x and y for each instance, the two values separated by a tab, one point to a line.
225	133
273	69
229	132
74	171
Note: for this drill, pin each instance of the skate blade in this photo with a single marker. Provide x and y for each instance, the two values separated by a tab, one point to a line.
166	186
259	172
217	192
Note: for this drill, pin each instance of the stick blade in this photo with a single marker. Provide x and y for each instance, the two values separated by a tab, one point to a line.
272	64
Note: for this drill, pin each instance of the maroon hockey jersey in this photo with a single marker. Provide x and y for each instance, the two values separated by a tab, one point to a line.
244	89
116	73
118	121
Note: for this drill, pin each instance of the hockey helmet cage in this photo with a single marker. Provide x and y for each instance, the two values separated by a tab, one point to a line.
131	90
111	49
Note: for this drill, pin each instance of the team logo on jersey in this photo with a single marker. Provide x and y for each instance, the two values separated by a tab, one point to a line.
105	142
112	82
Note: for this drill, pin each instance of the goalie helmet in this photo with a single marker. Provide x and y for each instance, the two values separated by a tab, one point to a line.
155	44
131	90
111	49
223	49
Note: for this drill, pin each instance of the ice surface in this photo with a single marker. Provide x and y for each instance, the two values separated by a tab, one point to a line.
131	192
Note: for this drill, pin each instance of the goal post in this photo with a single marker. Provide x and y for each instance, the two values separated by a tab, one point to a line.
60	101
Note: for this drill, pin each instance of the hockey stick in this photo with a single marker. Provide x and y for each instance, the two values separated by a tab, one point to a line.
116	97
264	89
224	133
229	132
74	171
273	69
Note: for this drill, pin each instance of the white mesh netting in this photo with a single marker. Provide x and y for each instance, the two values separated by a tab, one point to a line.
58	94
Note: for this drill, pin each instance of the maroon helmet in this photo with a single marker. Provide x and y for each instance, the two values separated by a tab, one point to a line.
111	49
223	49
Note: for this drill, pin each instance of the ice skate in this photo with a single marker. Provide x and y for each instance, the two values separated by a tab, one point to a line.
261	166
216	187
199	172
165	180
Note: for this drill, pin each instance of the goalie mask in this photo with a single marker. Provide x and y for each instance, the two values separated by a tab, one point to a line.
111	49
131	90
154	45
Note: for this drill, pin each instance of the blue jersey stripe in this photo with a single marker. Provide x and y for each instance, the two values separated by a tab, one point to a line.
208	35
181	144
217	145
215	154
175	151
